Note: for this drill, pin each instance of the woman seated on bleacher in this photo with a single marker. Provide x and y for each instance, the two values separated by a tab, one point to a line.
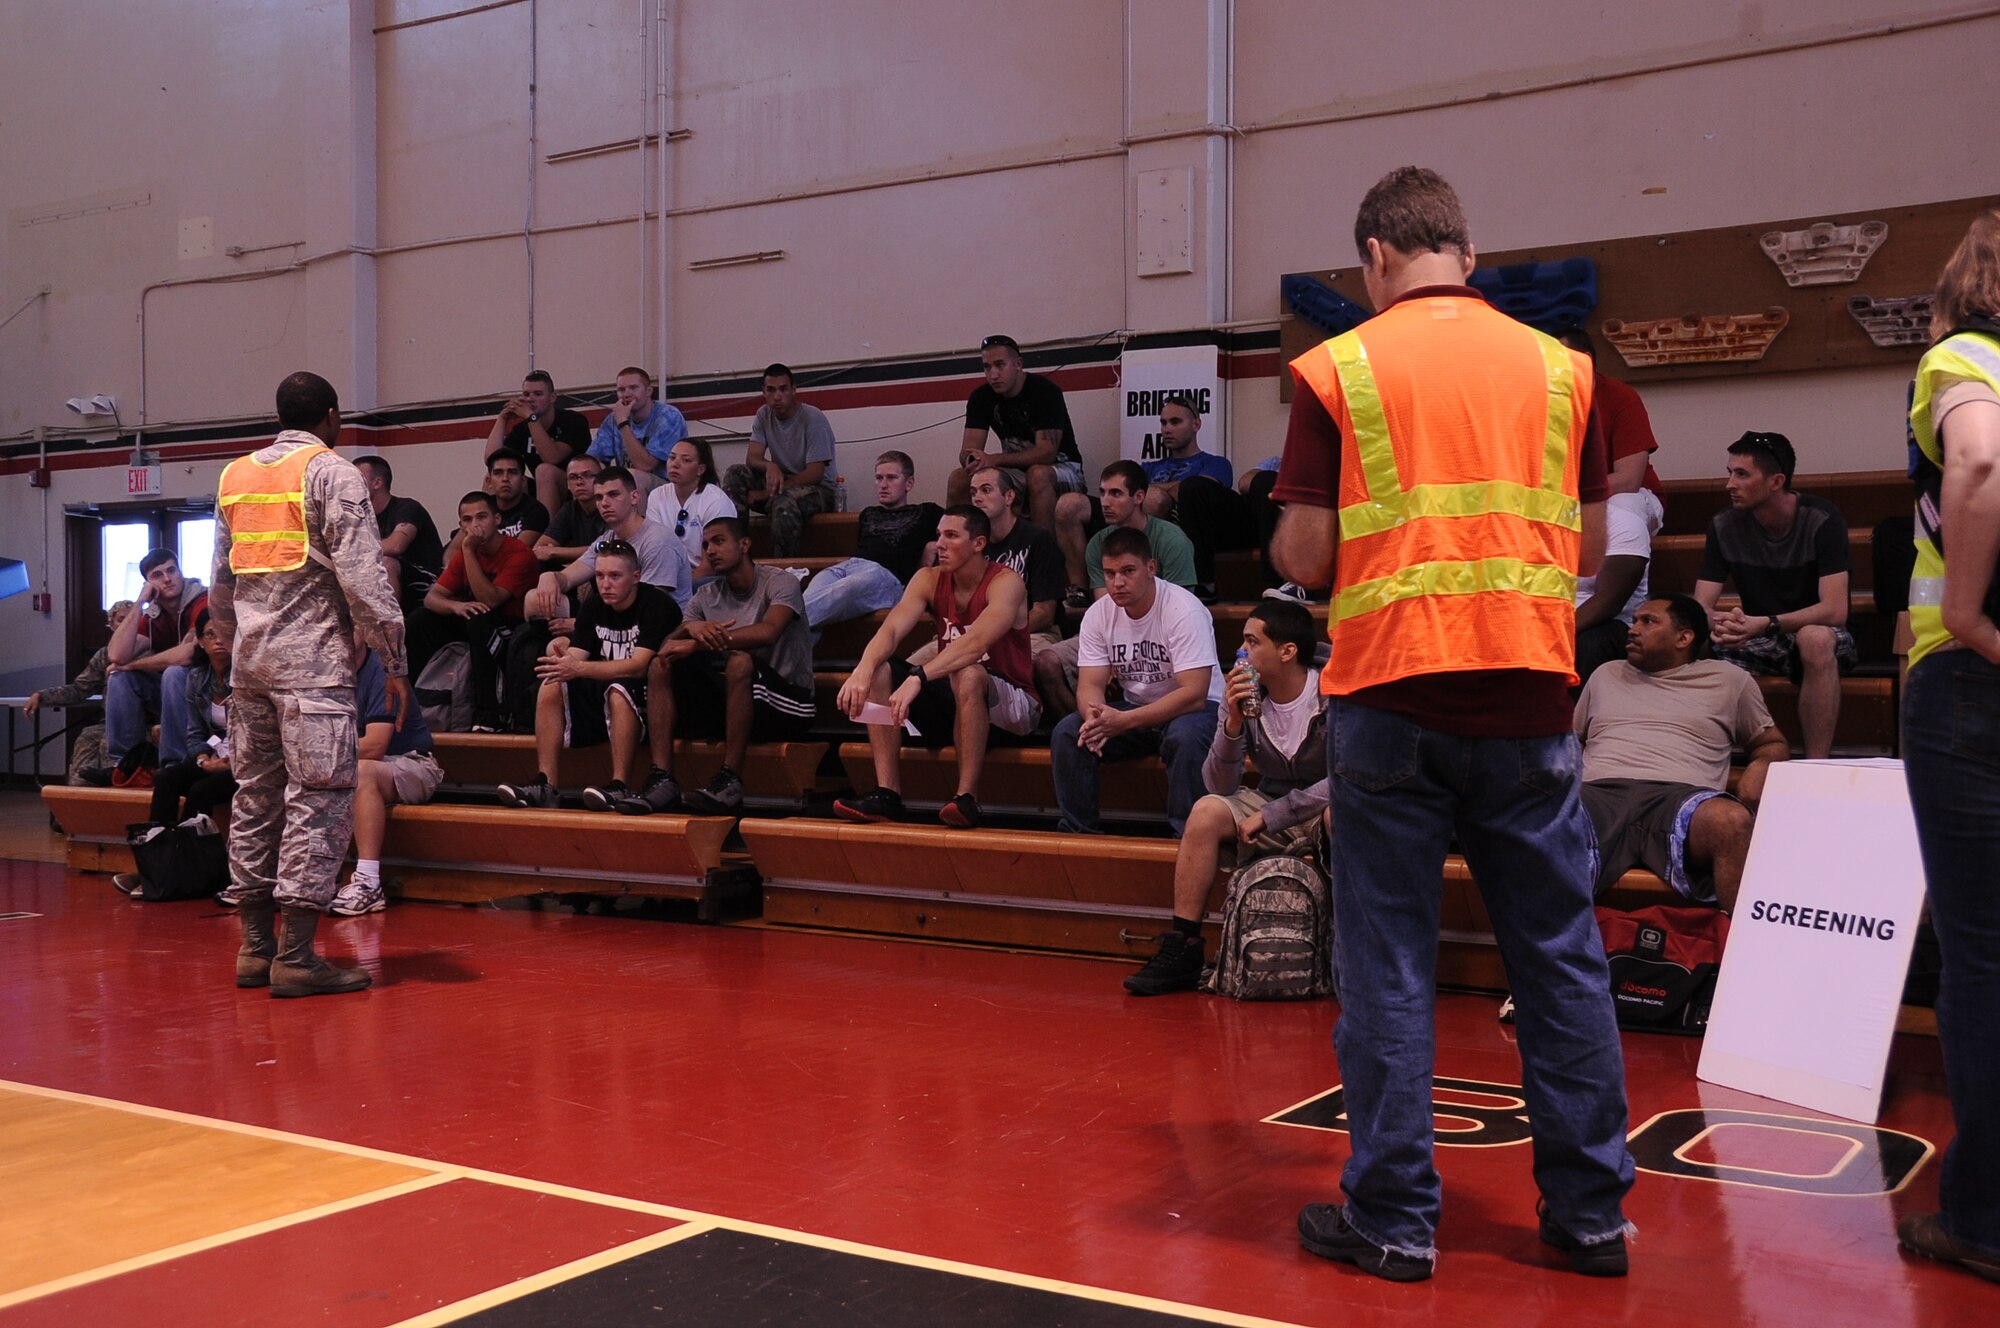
1287	741
201	785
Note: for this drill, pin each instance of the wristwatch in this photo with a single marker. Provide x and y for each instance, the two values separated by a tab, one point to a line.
534	416
1772	629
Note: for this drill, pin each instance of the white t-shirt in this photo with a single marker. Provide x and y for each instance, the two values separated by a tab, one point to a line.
707	503
1630	522
1144	654
1285	722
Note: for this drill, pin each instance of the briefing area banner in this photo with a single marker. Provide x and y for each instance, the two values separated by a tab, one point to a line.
1148	378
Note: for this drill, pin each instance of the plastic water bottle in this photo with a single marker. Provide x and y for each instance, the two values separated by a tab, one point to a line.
1253	704
840	493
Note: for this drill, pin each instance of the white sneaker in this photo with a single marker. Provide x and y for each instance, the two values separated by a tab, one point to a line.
358	897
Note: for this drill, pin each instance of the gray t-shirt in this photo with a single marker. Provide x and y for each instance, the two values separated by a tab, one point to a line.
791	656
663	560
798	442
1676	726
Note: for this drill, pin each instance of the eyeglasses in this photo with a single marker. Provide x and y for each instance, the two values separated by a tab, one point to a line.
681	525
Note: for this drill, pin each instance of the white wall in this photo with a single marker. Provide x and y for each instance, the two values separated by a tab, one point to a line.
931	172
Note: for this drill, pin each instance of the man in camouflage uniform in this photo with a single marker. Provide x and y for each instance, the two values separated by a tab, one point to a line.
292	727
86	758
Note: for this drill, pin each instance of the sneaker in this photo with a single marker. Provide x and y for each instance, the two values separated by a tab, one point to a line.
1607	1258
537	792
1076	598
1923	1234
358	897
603	797
871	808
127	883
486	724
1323	1229
97	776
722	795
1291	590
961	813
1175	966
660	793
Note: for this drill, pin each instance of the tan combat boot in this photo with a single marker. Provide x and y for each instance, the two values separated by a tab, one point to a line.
297	971
260	943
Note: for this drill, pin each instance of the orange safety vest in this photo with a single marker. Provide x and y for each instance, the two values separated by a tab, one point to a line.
266	507
1460	528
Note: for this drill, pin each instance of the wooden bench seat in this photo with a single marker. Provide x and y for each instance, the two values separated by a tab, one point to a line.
1864	497
775	774
1017	781
93	822
826	535
474	854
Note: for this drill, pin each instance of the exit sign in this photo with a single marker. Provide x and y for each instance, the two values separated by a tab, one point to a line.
142	481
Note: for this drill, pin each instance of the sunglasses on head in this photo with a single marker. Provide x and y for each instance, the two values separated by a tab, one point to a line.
988	343
681	524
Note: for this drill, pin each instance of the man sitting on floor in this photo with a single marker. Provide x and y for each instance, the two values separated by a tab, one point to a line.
593	681
1657	731
1787	553
739	669
893	541
393	765
981	674
1157	641
1287	742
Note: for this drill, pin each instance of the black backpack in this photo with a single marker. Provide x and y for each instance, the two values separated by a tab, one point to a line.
1277	932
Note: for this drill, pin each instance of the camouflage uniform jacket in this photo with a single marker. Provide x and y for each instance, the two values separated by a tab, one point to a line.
87	684
296	629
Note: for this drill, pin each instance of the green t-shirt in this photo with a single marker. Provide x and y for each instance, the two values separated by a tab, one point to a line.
1170	549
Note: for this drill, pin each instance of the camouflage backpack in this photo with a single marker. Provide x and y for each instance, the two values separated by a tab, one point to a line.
1277	932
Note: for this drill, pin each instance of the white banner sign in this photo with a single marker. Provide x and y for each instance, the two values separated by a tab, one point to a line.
1147	378
1819	944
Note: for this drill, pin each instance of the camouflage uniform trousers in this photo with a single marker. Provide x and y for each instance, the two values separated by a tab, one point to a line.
788	510
293	814
88	754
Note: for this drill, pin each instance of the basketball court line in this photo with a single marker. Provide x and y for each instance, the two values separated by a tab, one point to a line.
694	1223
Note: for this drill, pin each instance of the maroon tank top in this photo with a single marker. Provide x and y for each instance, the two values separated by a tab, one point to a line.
1008	657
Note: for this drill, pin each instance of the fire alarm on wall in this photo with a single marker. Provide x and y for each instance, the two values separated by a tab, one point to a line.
38	478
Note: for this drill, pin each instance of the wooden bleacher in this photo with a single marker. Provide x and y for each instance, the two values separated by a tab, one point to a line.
1017	782
779	775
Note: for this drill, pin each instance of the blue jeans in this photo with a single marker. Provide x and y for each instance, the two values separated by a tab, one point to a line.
1182	744
852	588
133	699
1951	758
1399	794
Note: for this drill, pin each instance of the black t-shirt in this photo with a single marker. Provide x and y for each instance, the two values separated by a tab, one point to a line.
1777	575
605	633
575	525
424	559
527	514
1032	554
895	536
567	427
1038	405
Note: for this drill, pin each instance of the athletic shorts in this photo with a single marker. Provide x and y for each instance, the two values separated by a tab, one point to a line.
1644	823
416	775
1069	478
587	708
1778	656
1297	839
1010	709
779	712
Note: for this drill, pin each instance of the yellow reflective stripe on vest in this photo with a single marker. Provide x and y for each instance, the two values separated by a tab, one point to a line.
235	498
1365	414
263	536
1501	496
1389	505
1516	575
1561	372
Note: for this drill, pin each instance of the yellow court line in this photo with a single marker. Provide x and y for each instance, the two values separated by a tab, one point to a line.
693	1217
542	1281
220	1238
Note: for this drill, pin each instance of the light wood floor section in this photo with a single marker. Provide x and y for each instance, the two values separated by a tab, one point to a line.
87	1186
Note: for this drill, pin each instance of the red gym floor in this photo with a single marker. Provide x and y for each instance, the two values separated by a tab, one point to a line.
535	1117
